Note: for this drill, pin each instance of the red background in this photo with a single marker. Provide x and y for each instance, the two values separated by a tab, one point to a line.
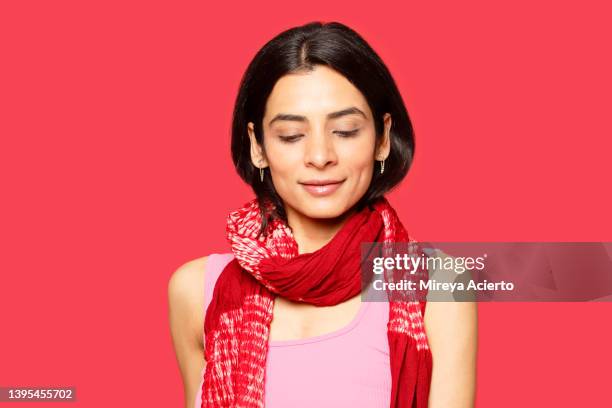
116	169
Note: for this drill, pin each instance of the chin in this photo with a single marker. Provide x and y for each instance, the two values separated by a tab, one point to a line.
323	207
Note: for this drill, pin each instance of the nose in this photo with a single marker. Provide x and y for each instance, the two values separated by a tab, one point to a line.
320	151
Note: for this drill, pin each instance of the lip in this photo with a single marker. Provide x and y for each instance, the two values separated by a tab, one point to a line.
321	188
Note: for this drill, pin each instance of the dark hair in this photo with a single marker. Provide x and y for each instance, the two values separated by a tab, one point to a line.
300	49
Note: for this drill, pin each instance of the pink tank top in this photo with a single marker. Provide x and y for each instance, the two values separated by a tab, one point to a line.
348	367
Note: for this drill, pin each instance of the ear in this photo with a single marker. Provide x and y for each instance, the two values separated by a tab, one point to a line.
384	147
257	155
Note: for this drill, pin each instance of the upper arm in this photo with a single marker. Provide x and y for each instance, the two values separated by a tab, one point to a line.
452	333
186	317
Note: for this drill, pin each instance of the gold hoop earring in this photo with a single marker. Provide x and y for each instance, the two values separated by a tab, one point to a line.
382	166
261	173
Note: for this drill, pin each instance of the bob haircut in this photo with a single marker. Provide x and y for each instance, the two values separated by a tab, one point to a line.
300	50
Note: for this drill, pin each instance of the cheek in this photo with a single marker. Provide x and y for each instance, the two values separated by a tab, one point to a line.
282	160
285	165
358	154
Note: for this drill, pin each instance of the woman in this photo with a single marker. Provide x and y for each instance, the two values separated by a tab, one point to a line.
321	133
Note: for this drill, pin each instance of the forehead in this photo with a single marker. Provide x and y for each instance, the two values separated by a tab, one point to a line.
314	93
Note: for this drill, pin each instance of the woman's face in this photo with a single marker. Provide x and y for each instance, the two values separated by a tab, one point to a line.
318	129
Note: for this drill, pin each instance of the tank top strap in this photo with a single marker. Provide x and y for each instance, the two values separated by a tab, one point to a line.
215	263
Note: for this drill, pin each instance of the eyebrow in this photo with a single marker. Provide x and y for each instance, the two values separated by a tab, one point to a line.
333	115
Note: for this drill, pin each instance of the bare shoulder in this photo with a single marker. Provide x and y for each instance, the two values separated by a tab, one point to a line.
186	284
186	318
446	317
452	334
188	273
186	296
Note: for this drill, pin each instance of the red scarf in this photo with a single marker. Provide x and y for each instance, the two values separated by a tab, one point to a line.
237	324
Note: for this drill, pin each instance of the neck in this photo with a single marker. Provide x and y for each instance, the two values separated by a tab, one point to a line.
313	233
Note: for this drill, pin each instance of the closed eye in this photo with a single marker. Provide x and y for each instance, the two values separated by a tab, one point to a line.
290	139
343	133
347	133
